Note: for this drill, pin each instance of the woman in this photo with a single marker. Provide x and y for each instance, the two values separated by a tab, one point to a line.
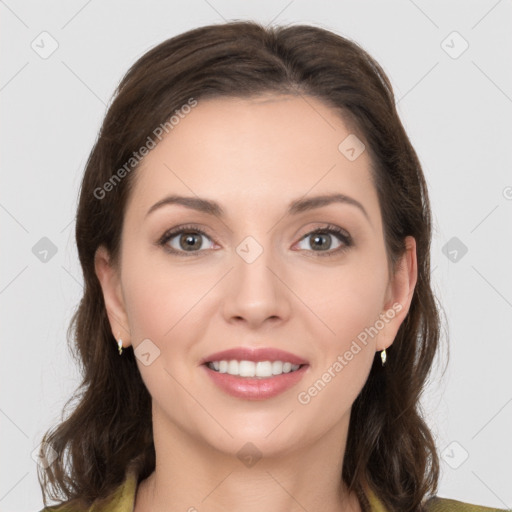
257	323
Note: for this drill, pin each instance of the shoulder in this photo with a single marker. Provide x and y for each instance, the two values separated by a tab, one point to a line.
436	504
63	507
121	500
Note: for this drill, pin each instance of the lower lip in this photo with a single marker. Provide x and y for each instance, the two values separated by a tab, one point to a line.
256	389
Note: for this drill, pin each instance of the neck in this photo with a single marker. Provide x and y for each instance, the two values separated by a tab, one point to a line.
192	476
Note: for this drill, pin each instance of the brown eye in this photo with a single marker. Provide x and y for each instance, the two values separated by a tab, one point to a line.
189	241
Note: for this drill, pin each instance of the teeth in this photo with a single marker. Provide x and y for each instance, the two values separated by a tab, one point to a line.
260	369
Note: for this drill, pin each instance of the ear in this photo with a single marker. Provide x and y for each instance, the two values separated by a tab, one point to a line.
110	282
399	295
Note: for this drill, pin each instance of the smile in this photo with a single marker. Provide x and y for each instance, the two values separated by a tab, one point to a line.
254	387
260	369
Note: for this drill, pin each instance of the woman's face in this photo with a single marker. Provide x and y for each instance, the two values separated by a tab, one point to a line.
257	278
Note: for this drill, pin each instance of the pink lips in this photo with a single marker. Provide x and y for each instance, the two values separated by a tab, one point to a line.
254	354
250	388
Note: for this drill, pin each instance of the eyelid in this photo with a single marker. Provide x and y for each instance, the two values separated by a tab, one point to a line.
180	228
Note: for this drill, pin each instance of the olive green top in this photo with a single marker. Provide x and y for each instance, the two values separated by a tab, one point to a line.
123	500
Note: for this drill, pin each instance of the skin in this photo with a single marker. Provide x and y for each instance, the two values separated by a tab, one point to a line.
253	156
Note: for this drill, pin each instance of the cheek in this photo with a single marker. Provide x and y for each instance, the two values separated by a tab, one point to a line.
347	299
349	305
161	296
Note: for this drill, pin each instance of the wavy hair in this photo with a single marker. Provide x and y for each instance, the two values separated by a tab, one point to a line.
389	444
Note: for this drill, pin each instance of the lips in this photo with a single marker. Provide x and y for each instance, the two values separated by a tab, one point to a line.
255	355
247	388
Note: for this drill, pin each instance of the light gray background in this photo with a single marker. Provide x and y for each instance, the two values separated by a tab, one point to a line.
457	112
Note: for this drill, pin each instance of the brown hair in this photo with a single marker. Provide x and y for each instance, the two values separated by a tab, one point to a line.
389	444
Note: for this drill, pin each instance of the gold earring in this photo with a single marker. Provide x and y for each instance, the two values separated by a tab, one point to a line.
383	357
120	346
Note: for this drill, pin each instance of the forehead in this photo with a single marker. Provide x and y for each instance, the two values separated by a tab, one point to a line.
255	152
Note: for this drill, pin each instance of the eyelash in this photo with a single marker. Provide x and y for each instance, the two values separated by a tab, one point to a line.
331	229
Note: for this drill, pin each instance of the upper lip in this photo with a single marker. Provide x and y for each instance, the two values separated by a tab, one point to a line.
254	354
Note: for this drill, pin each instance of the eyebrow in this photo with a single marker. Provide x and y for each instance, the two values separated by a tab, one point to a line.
295	207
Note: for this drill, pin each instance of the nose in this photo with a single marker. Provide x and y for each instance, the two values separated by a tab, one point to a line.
256	290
